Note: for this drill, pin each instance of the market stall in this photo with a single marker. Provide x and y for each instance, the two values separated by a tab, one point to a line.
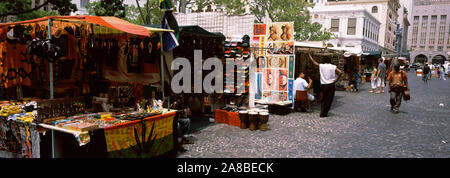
319	51
273	78
97	67
369	59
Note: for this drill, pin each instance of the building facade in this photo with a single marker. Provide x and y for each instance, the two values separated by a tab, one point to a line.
353	26
430	36
385	11
402	31
81	7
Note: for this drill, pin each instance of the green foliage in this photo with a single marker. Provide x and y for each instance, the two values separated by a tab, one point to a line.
23	10
277	11
36	14
291	10
133	15
114	8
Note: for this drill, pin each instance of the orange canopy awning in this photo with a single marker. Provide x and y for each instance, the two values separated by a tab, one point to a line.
110	22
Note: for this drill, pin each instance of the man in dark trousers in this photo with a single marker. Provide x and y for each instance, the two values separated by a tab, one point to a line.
398	82
329	75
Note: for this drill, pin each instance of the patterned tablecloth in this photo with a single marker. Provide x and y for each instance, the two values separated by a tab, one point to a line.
149	137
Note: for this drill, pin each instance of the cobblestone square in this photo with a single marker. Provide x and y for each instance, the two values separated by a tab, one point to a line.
360	125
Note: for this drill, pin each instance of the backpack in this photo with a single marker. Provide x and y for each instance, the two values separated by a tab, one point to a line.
426	70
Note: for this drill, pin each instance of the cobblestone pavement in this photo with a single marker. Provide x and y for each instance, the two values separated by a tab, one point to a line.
360	125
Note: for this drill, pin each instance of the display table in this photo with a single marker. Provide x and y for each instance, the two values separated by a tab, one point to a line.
148	137
230	118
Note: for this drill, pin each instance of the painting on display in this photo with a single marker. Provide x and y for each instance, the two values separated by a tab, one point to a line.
278	71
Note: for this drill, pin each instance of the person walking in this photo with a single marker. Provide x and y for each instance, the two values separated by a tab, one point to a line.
357	77
381	76
398	83
373	79
426	73
442	72
328	78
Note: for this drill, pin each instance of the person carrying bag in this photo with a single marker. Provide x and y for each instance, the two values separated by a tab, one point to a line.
398	88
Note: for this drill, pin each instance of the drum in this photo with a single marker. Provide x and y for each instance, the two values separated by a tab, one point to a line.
243	116
253	120
263	118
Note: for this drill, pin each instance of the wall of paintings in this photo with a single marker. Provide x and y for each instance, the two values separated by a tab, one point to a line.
273	49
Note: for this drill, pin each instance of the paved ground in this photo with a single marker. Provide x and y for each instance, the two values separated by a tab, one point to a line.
360	125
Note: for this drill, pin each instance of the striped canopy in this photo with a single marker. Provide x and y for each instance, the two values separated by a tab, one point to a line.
109	22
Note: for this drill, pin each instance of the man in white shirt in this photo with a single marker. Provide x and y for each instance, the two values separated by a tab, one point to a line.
328	78
300	84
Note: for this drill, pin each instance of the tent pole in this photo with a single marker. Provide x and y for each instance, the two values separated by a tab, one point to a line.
162	66
50	66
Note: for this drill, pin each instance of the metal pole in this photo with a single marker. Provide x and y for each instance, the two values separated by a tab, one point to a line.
50	66
162	66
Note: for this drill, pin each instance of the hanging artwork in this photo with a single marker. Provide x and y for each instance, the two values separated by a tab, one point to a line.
278	71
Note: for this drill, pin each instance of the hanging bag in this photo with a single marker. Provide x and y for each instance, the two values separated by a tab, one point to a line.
406	94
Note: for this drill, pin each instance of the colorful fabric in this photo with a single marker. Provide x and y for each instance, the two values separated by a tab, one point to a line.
230	118
170	39
21	140
110	22
148	138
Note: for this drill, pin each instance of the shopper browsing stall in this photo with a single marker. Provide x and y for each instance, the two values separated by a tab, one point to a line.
329	75
300	84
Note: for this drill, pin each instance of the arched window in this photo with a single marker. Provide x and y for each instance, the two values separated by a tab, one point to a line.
374	9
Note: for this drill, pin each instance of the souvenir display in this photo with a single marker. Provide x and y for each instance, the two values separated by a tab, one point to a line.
263	118
278	69
243	116
253	120
237	52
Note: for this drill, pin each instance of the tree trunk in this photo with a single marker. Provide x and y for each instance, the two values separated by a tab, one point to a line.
140	11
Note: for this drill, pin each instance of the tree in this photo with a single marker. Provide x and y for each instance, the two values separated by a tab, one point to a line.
277	11
114	8
22	8
150	12
291	10
182	5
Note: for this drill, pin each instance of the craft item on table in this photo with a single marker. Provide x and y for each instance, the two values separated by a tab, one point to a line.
81	126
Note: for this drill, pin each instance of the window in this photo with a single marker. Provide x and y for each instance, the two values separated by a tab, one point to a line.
432	29
431	48
374	9
442	29
351	30
423	35
440	48
334	25
415	29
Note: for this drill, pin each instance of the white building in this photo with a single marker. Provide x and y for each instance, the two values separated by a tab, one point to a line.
81	6
354	26
385	11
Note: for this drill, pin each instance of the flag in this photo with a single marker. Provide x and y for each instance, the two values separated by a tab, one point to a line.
166	4
170	39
